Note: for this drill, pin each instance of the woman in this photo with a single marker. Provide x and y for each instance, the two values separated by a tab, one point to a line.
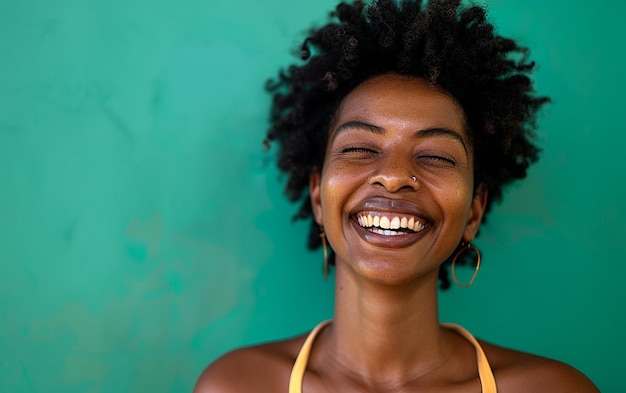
398	133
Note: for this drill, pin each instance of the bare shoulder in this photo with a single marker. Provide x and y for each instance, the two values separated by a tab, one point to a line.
259	368
522	372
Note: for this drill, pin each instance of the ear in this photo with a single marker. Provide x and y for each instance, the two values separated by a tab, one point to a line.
315	193
477	209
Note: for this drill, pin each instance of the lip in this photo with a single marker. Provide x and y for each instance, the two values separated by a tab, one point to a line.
388	205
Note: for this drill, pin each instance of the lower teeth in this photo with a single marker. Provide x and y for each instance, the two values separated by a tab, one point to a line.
386	232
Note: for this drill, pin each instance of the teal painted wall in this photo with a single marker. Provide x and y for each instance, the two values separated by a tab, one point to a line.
143	231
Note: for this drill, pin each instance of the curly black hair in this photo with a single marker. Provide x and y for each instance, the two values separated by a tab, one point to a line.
444	42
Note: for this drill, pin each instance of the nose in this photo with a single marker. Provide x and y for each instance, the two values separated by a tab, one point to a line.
395	175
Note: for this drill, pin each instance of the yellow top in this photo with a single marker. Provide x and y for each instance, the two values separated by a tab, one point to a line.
487	380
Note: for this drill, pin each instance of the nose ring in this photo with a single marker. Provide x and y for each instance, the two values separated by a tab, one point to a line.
414	178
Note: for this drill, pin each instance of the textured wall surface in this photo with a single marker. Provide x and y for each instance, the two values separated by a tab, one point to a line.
143	231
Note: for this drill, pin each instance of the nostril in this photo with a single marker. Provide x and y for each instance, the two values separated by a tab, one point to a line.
393	183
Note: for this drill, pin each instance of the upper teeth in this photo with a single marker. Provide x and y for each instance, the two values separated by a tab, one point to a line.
395	222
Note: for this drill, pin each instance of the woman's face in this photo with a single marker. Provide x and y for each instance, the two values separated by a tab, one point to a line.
395	196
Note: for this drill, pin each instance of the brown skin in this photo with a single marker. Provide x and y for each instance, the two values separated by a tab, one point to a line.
385	336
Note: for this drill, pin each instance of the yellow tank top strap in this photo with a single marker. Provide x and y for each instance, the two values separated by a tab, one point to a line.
297	372
487	380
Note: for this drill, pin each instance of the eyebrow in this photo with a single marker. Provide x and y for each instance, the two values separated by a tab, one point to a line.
424	133
360	125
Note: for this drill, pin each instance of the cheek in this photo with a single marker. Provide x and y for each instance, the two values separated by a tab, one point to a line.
456	197
461	195
337	186
331	189
335	180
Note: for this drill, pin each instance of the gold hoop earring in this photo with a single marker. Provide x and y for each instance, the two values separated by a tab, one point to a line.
325	249
465	247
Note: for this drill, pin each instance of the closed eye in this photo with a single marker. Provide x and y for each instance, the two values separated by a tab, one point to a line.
437	159
358	150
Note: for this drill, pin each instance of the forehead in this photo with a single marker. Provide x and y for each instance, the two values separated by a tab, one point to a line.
401	101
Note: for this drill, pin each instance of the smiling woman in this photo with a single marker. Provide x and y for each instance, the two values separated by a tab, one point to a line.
398	132
387	131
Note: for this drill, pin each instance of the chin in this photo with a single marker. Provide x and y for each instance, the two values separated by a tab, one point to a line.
394	273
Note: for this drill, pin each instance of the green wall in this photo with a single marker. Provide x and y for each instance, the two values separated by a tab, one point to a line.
143	231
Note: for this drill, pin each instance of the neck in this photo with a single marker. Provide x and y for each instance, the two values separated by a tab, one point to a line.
382	331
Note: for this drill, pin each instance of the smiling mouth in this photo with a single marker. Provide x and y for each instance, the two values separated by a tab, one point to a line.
387	224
